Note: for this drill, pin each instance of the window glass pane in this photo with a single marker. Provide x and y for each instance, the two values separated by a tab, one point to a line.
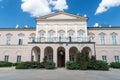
8	41
104	58
116	58
18	58
6	58
102	39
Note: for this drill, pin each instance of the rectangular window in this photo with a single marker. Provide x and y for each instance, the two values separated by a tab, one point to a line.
6	58
71	37
8	40
51	37
81	36
117	59
42	37
104	58
114	39
19	58
20	42
61	37
102	39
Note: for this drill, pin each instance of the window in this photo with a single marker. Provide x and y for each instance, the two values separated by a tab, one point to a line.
72	58
81	36
6	58
117	59
42	37
104	58
114	39
8	40
61	37
18	58
51	37
20	41
102	39
71	36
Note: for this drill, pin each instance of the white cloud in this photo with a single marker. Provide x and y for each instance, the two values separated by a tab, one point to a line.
106	5
42	7
60	5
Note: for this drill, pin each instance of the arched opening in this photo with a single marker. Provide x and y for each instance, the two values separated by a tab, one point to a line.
61	57
48	54
88	51
35	55
73	53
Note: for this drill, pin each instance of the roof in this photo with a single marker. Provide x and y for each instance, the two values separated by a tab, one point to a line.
80	18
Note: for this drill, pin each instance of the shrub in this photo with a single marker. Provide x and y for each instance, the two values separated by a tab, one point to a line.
72	65
98	65
115	65
28	65
5	64
82	59
49	65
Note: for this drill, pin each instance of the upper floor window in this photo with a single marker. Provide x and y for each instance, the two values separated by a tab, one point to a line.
114	39
20	41
6	58
71	35
117	59
61	35
8	40
32	37
51	36
102	39
81	35
91	36
42	37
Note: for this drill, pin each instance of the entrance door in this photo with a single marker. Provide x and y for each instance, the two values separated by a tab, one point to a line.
61	58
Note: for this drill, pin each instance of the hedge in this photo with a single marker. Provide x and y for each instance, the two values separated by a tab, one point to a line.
115	65
72	65
49	65
5	64
28	65
98	65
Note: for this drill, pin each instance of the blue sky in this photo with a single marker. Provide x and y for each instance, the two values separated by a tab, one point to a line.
12	12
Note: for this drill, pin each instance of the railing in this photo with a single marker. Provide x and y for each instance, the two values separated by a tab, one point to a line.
62	39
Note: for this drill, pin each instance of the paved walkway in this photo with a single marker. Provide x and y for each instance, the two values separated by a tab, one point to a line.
58	74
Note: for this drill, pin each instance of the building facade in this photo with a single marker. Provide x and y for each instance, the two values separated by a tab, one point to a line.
59	37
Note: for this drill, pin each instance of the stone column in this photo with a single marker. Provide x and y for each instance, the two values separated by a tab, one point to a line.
41	54
66	54
55	55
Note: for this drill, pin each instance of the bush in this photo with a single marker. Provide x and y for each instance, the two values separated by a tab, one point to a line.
82	59
115	65
49	65
72	65
98	65
5	64
28	65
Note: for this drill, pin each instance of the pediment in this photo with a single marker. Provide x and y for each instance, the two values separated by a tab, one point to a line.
61	15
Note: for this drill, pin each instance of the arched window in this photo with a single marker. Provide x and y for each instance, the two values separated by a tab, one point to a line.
114	38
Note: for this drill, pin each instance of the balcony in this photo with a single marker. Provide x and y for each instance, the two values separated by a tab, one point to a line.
61	39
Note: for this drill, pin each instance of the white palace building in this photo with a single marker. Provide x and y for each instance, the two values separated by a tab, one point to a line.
59	37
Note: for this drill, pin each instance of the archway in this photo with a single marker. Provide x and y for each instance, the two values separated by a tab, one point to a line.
35	55
88	51
61	57
48	54
73	53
